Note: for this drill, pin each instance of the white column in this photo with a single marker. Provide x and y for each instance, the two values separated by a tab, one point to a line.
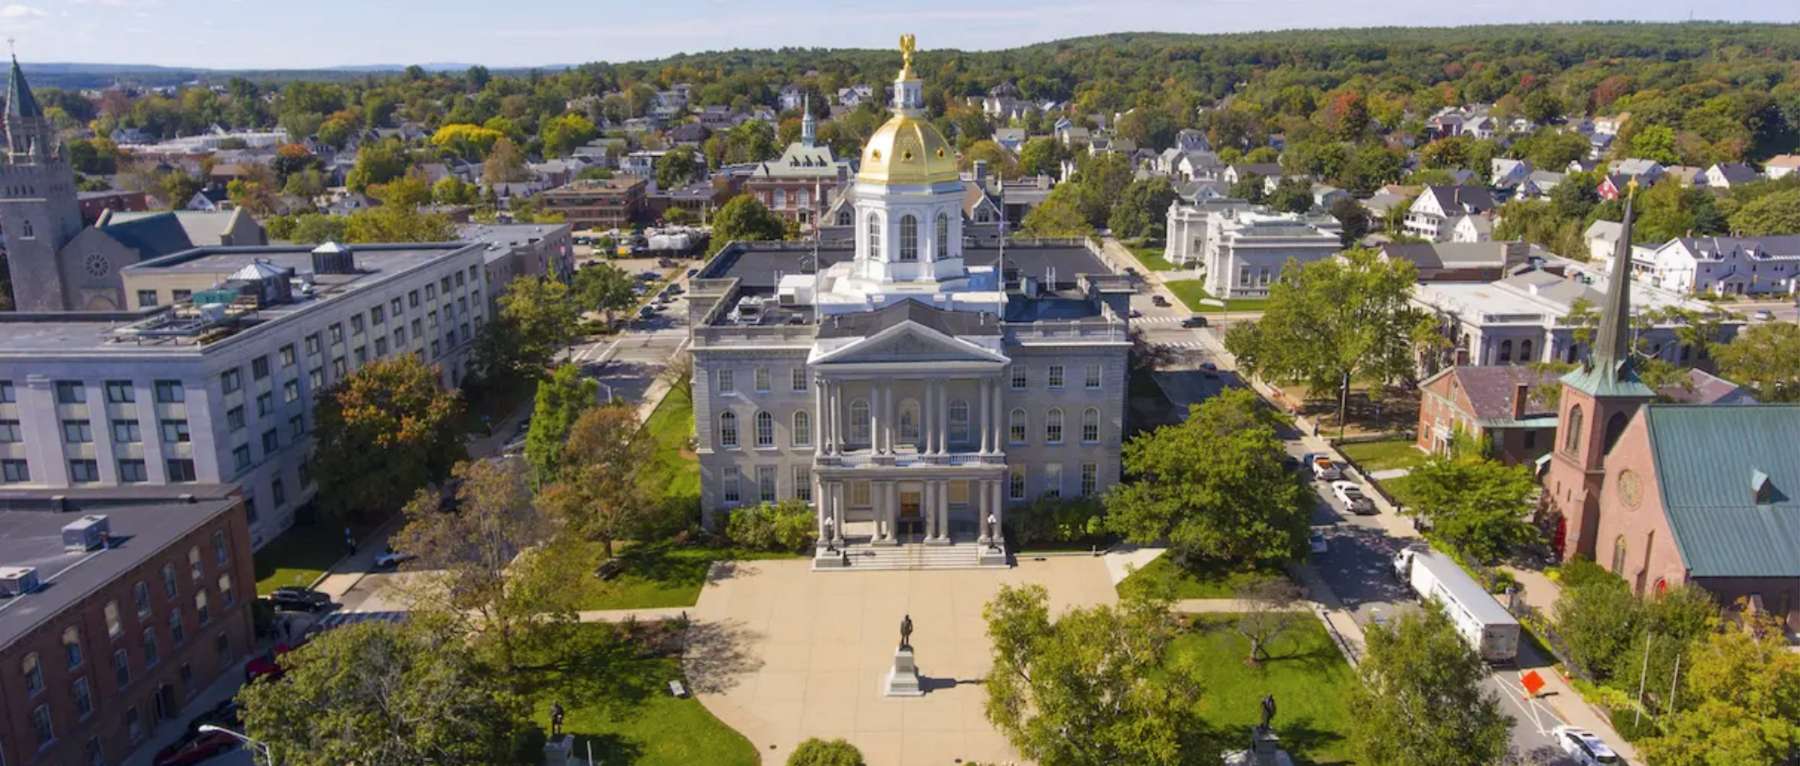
818	418
987	431
983	503
999	419
874	418
929	505
837	512
999	525
943	417
888	415
942	511
824	508
927	417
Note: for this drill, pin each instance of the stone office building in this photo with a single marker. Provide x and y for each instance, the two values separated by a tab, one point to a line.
911	387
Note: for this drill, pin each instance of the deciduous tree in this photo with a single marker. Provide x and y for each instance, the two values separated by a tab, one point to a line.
561	398
1740	702
600	494
382	433
1143	209
1477	505
565	132
1421	699
605	288
1765	357
1268	604
744	218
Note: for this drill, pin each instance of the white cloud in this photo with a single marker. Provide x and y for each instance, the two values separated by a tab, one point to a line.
17	11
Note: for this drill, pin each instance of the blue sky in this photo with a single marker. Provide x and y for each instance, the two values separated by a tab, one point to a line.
308	33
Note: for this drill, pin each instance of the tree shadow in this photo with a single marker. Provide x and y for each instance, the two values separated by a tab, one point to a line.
1299	736
594	666
717	656
606	748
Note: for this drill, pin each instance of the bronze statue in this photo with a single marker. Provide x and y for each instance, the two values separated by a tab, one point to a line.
906	632
1268	711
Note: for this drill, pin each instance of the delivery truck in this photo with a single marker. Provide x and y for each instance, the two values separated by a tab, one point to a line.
1481	620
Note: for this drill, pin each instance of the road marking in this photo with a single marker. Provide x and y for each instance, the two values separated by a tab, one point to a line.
1534	710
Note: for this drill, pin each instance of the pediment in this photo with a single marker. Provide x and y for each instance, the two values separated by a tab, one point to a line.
909	343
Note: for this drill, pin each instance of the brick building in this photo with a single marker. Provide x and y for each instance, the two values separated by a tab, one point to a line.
118	634
610	203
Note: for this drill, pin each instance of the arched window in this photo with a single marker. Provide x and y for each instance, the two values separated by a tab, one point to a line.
1525	351
1572	437
1506	352
943	238
909	422
802	436
1090	425
959	421
874	227
765	429
1015	427
1619	551
1053	425
1615	426
728	435
846	217
859	421
909	238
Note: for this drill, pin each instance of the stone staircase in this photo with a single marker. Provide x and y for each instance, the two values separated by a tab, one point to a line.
865	557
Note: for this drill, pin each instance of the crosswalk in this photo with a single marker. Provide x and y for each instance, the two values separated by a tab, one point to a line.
1192	344
1158	320
353	616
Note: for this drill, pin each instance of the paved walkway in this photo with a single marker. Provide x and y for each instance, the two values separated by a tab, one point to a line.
634	615
782	654
1389	473
1122	561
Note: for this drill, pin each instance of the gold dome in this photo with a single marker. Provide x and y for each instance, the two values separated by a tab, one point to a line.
907	150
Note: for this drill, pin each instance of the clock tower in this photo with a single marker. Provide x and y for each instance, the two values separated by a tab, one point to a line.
1598	399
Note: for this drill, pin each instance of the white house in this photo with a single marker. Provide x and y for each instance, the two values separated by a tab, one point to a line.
1780	165
1728	265
1436	209
1506	173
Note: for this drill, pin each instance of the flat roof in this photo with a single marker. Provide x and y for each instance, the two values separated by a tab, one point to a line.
95	331
760	267
141	528
498	239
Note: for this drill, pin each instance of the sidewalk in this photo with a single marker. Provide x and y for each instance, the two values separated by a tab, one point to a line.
637	615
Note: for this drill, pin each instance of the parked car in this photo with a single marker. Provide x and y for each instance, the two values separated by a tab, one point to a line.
1160	301
1325	470
1194	321
1318	543
262	667
1351	495
1763	315
196	748
1584	747
224	714
1135	314
389	558
1209	369
298	599
693	273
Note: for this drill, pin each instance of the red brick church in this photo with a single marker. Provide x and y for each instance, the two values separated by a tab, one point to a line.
1665	494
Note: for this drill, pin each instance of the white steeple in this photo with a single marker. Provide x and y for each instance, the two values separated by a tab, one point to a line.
809	128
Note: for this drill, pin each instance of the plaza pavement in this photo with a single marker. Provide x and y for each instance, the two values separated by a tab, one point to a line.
781	653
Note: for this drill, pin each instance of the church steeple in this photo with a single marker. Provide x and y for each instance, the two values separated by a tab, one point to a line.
28	134
809	128
1610	369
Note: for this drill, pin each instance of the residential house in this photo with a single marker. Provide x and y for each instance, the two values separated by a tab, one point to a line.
1507	173
1763	266
693	134
792	97
1459	261
1472	228
854	95
1072	135
1239	171
1437	208
1010	139
234	228
1191	140
1727	175
1781	165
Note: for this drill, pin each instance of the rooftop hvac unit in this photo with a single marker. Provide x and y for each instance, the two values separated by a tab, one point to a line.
86	533
18	581
333	258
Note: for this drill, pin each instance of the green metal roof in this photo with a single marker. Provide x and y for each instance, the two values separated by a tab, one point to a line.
19	101
1709	462
1623	382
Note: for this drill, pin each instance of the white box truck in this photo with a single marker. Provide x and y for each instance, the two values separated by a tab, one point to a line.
1481	620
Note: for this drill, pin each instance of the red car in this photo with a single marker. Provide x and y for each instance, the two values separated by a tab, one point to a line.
196	749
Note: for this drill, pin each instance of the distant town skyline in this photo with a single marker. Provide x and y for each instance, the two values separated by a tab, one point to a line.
233	34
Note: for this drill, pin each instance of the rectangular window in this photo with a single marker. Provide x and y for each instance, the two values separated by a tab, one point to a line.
77	431
336	332
412	299
762	380
730	489
1090	479
1244	275
1055	376
381	347
133	726
14	471
356	325
395	307
431	292
1053	480
177	633
113	627
265	404
84	471
240	457
122	667
181	296
431	318
312	344
175	431
180	469
170	588
377	315
170	392
271	441
859	494
799	383
436	349
146	298
278	492
195	567
287	355
34	674
316	378
1092	380
84	701
259	368
151	655
71	641
418	328
126	432
234	418
10	433
8	394
225	594
296	427
230	381
40	725
1015	483
803	483
120	392
250	509
290	391
726	384
202	610
1019	378
765	483
70	392
133	472
338	370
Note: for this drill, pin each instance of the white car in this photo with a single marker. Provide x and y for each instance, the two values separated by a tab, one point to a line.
1763	315
1325	470
1351	495
390	558
1584	747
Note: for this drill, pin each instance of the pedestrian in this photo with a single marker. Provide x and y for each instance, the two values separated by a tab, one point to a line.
556	719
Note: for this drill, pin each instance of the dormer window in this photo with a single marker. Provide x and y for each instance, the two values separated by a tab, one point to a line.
1762	490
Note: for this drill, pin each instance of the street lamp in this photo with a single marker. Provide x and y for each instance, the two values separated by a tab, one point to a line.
264	746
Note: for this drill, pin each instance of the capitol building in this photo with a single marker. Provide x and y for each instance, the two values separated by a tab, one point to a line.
910	381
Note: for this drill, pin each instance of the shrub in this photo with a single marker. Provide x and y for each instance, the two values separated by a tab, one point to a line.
784	527
819	752
1056	520
1580	571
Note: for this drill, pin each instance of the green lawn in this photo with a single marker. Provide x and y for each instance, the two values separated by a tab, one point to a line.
1193	291
1151	256
298	556
1400	489
1384	455
618	701
656	575
673	467
1213	583
1305	672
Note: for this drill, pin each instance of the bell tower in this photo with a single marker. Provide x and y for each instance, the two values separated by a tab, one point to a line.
1596	402
39	212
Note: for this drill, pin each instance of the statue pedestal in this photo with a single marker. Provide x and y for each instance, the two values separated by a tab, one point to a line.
558	751
903	679
1265	750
